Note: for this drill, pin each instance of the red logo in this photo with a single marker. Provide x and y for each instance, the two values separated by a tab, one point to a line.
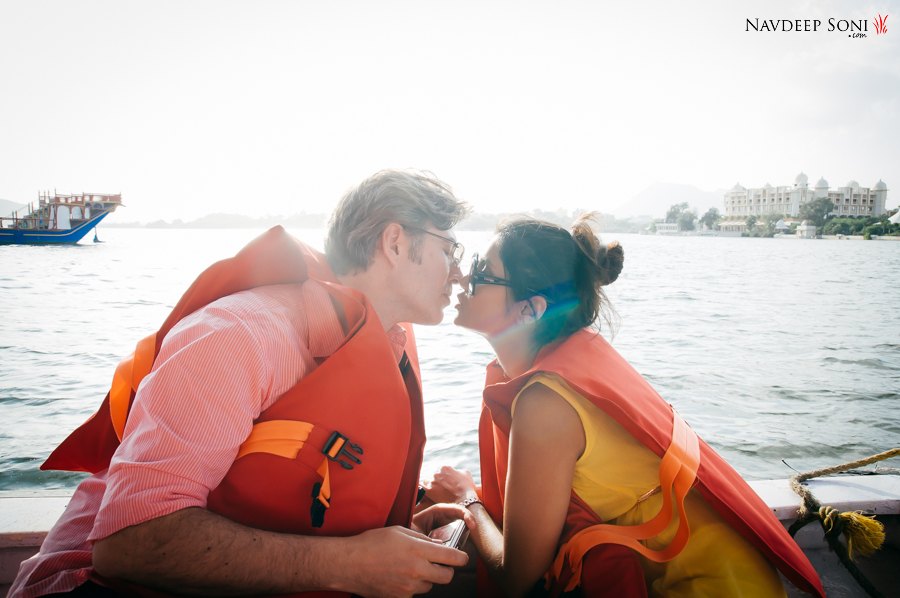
881	24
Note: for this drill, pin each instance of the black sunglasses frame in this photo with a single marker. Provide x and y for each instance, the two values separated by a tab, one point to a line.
476	278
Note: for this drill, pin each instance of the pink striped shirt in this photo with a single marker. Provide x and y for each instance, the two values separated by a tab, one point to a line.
217	370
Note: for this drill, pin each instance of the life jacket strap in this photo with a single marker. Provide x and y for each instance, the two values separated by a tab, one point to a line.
282	437
321	496
128	376
309	444
677	473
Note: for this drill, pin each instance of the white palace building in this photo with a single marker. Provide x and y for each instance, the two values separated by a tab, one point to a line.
849	200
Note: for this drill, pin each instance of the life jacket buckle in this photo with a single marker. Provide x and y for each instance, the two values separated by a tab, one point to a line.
339	449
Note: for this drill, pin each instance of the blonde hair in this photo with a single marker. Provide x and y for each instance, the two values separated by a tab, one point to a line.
413	199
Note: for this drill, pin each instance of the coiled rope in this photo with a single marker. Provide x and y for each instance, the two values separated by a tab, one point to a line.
864	534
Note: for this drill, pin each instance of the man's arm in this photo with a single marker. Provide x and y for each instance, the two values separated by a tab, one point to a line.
190	416
196	552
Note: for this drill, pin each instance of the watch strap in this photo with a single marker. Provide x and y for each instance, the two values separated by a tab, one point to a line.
472	500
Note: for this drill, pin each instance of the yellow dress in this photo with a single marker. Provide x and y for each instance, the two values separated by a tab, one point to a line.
616	471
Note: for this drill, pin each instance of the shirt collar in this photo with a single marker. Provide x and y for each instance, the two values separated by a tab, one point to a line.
397	337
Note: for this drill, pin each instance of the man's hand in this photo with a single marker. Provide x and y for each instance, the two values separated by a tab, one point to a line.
396	561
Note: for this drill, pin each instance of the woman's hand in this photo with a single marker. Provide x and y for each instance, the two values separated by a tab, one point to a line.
441	514
451	485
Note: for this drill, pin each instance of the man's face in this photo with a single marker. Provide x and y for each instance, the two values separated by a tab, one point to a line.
426	283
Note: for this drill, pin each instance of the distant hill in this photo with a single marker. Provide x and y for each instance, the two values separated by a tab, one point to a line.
607	223
8	207
232	221
475	221
656	200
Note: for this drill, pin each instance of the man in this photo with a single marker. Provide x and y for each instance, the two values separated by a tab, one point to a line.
274	437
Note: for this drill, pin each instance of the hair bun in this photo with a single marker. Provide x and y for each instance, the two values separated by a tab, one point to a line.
611	260
606	260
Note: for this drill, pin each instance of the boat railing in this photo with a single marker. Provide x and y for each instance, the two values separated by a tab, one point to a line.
24	222
47	197
39	218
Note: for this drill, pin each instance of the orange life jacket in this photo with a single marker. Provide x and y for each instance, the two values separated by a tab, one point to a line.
595	370
347	440
338	454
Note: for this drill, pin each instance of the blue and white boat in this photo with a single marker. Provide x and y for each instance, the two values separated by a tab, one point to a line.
57	219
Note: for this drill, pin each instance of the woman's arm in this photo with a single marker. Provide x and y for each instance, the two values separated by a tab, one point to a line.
451	485
546	439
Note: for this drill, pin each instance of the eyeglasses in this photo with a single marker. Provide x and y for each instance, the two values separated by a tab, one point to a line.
456	248
476	278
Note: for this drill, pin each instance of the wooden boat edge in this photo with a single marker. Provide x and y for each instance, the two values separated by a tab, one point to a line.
26	516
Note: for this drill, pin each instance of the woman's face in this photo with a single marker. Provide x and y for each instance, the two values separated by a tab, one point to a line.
489	311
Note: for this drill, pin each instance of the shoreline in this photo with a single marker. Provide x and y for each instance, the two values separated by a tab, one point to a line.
739	236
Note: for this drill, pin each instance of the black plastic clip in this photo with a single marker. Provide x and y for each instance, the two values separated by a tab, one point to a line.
338	449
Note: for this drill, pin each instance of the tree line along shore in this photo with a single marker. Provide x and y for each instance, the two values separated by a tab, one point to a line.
816	212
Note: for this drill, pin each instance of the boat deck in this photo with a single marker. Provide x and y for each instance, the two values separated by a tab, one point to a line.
874	494
25	518
881	569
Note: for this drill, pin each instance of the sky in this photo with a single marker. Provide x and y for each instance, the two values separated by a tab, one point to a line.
278	107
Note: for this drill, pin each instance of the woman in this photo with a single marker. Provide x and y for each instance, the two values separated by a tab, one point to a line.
572	436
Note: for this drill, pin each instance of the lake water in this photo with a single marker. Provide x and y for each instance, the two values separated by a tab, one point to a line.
773	349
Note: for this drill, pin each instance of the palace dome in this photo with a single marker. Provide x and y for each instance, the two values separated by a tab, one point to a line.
822	184
880	186
801	179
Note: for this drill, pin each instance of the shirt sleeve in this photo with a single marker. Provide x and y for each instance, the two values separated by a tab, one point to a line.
189	417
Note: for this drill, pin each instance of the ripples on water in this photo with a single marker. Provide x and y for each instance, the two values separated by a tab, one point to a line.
771	349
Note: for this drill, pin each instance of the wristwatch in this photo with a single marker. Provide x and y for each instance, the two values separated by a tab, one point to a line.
472	500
